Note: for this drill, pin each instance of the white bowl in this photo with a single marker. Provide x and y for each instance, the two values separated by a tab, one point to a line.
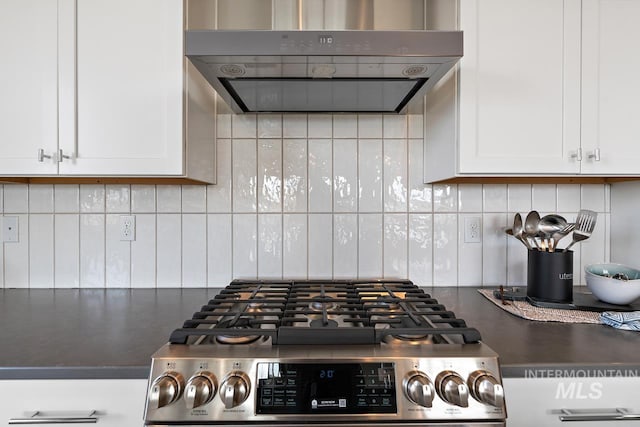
610	289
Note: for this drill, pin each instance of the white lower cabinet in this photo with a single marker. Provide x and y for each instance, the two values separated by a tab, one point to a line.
116	402
582	401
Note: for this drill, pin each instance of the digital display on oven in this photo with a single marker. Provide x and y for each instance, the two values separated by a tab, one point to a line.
331	388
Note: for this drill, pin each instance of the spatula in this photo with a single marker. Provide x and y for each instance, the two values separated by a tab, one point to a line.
585	223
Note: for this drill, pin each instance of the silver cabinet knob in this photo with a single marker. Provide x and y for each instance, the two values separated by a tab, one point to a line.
452	388
486	389
165	389
62	156
200	389
419	389
594	155
42	156
235	389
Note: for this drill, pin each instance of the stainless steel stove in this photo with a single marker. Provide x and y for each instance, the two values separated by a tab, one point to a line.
325	353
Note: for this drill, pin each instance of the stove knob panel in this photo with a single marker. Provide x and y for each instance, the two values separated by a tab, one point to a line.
166	389
486	388
200	389
235	389
452	388
419	389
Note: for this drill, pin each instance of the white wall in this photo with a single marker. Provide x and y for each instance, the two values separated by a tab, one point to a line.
297	196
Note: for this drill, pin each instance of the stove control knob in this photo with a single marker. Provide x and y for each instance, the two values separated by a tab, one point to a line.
452	388
200	389
166	389
419	389
235	389
486	388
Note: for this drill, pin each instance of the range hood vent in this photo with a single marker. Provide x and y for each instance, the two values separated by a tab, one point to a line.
362	71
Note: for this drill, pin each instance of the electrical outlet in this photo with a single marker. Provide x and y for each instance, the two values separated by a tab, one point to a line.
10	229
472	229
127	227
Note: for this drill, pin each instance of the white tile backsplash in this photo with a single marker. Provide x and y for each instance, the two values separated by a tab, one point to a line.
297	196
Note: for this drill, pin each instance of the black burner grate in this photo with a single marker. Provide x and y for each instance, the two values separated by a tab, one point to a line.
323	312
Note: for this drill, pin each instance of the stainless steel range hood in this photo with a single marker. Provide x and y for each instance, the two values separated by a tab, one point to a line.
363	71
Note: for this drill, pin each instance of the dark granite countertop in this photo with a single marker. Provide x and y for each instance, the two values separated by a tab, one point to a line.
71	333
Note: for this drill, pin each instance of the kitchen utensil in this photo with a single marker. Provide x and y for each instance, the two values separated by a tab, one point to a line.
531	227
613	283
558	235
585	223
518	230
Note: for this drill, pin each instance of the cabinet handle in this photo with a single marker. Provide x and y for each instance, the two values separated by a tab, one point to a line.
595	155
42	156
577	155
613	414
36	418
62	156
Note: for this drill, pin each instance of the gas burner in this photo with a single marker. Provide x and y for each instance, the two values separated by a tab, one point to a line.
240	324
324	304
406	339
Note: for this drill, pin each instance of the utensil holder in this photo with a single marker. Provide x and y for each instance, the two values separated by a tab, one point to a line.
550	276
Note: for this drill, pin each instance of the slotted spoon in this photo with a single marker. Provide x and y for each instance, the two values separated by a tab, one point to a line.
585	223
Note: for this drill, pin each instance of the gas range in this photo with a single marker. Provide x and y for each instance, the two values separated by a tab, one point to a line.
328	353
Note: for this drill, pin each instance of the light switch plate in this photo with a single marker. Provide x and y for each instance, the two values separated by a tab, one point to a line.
10	229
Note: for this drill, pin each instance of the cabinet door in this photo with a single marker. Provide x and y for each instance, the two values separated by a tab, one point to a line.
28	86
610	87
129	89
519	87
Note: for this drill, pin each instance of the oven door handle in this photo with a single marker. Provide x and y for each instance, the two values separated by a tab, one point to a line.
37	418
609	414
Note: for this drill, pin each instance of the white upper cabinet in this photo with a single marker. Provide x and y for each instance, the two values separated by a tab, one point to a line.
610	87
28	86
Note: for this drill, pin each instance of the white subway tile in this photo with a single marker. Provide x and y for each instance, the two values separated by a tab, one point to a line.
169	198
143	252
294	125
320	175
519	198
269	126
117	254
470	198
16	255
143	198
244	126
41	250
469	257
118	198
395	175
1	199
245	254
394	126
194	199
395	246
416	126
219	252
320	126
369	126
92	198
445	197
67	250
194	250
420	194
40	198
568	198
516	254
345	126
592	197
320	246
607	198
421	249
294	246
544	197
66	198
245	180
270	246
370	175
223	126
370	238
269	175
345	246
345	175
169	250
607	237
219	195
16	198
495	197
92	249
445	249
494	249
295	175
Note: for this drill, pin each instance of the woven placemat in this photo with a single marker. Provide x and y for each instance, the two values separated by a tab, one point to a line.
530	312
